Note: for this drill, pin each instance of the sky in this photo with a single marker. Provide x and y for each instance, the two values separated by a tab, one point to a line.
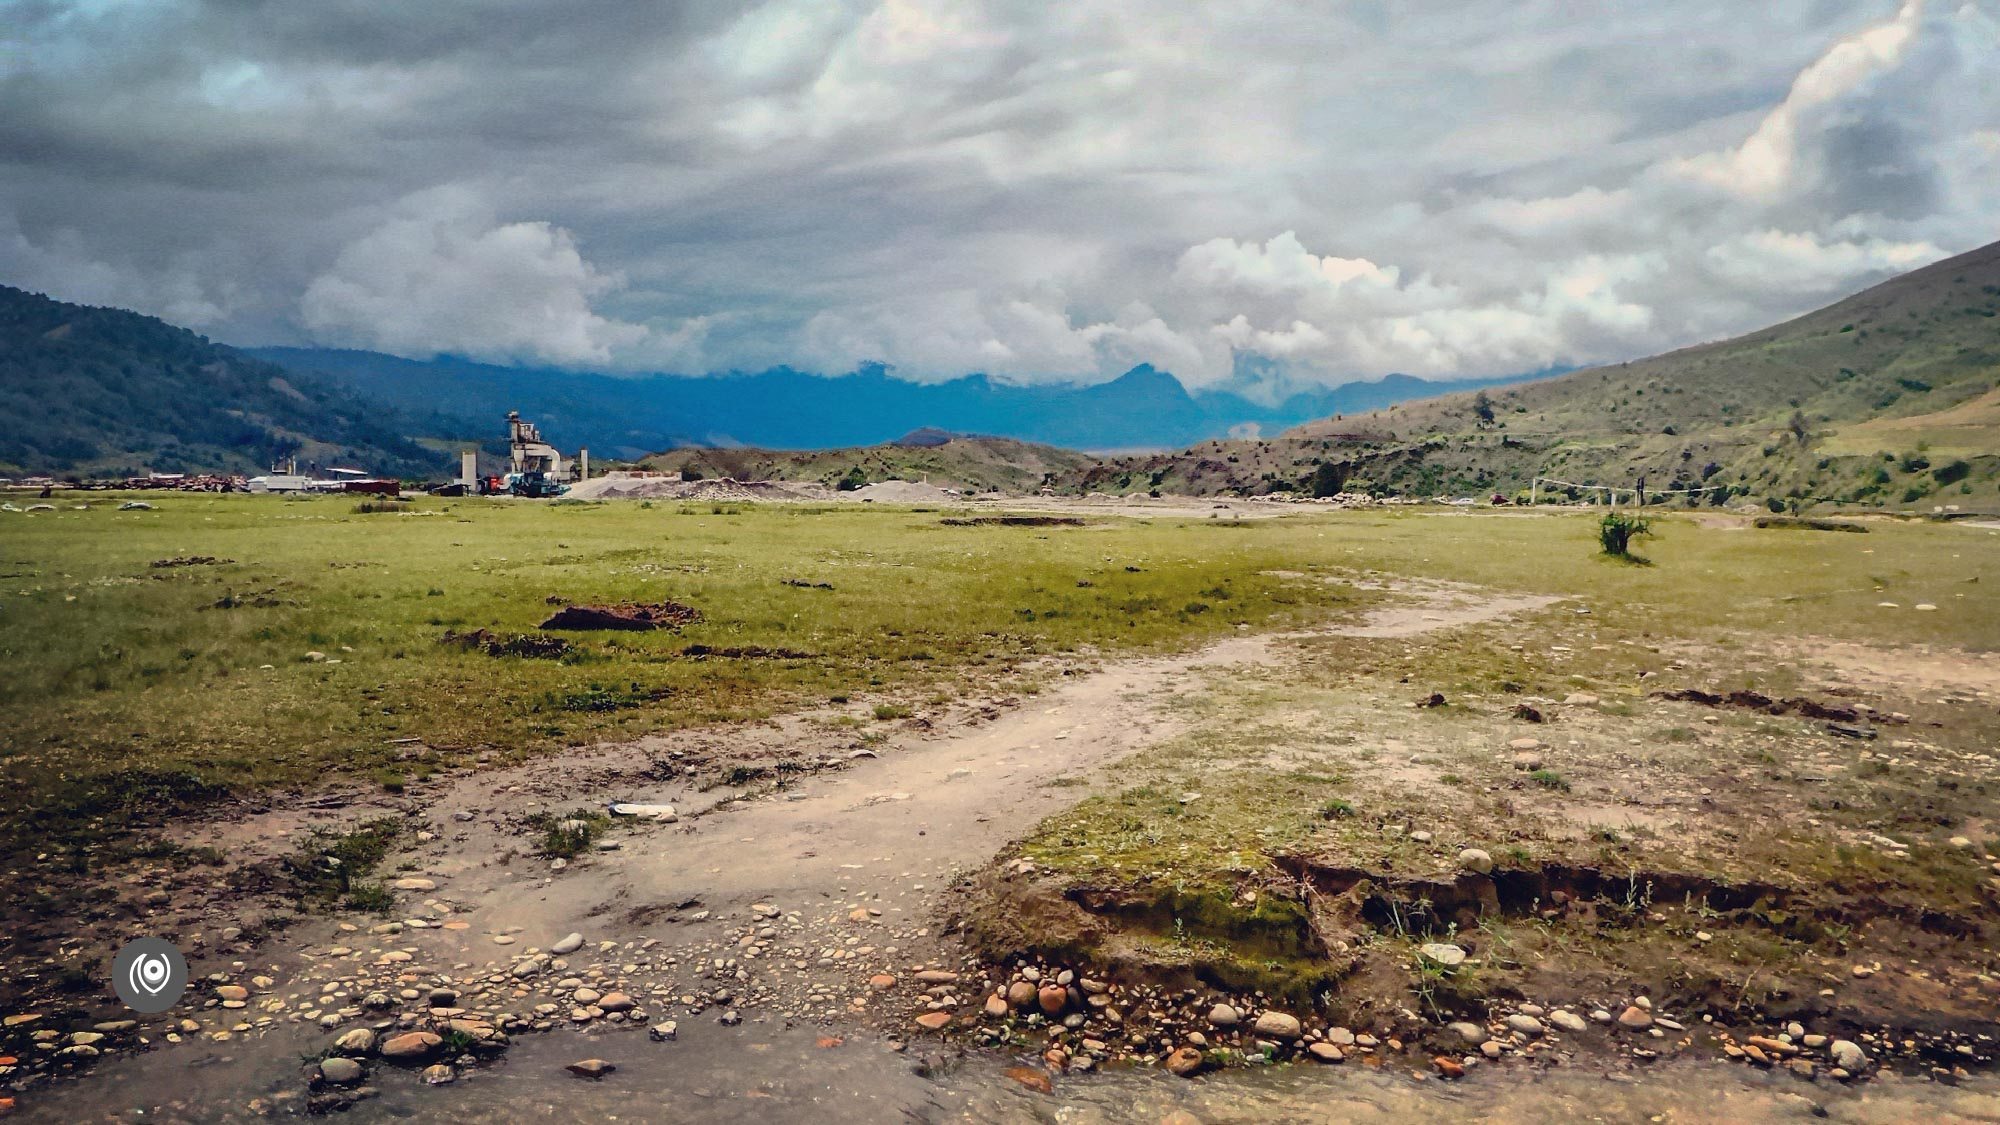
1266	196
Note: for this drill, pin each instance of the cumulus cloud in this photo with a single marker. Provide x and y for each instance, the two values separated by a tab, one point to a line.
1261	194
443	275
1765	162
1793	260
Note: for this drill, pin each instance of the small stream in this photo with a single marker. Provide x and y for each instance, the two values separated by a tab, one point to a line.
766	1075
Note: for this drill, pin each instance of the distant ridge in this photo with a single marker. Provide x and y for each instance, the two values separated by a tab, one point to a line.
106	392
969	464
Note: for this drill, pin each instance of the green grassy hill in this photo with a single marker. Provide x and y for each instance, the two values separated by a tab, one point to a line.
975	464
1890	398
105	392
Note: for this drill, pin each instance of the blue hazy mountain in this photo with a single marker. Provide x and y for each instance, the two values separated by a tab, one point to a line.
627	416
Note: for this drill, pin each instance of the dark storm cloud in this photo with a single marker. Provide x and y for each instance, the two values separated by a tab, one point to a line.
1040	191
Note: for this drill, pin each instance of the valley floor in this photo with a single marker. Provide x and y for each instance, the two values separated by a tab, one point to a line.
1458	802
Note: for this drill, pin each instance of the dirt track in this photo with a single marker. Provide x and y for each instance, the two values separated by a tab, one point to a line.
908	814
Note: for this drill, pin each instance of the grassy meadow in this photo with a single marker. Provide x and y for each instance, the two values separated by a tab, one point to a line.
158	658
1322	760
155	659
1303	738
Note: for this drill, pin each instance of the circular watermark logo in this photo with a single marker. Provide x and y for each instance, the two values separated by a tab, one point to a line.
149	974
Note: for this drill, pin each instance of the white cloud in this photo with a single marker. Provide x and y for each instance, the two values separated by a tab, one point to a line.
1784	260
1765	162
1256	193
1024	337
442	275
1281	265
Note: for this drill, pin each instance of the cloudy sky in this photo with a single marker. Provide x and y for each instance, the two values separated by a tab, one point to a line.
1313	193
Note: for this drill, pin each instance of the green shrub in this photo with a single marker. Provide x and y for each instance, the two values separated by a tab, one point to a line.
1616	532
1951	472
370	898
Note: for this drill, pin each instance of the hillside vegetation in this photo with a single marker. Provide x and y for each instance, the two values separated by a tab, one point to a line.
1890	398
972	464
106	392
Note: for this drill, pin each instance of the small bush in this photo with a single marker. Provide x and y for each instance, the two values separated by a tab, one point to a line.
891	711
370	898
1549	779
1616	532
332	865
566	836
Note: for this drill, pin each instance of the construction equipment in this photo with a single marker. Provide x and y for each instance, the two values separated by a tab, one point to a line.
539	469
534	485
530	454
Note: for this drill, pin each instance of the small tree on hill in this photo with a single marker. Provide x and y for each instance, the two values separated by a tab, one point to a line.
1482	408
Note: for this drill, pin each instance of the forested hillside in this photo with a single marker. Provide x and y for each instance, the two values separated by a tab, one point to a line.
91	391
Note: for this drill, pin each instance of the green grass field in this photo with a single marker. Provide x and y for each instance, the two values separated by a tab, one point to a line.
136	688
1323	760
131	687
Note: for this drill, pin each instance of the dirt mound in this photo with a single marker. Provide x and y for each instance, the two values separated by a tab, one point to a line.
1757	701
1012	521
1797	523
629	616
902	492
746	652
534	645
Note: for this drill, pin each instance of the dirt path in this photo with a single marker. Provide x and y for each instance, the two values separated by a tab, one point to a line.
887	829
772	906
883	829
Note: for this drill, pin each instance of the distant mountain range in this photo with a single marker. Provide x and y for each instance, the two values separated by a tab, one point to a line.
628	417
1889	398
99	392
